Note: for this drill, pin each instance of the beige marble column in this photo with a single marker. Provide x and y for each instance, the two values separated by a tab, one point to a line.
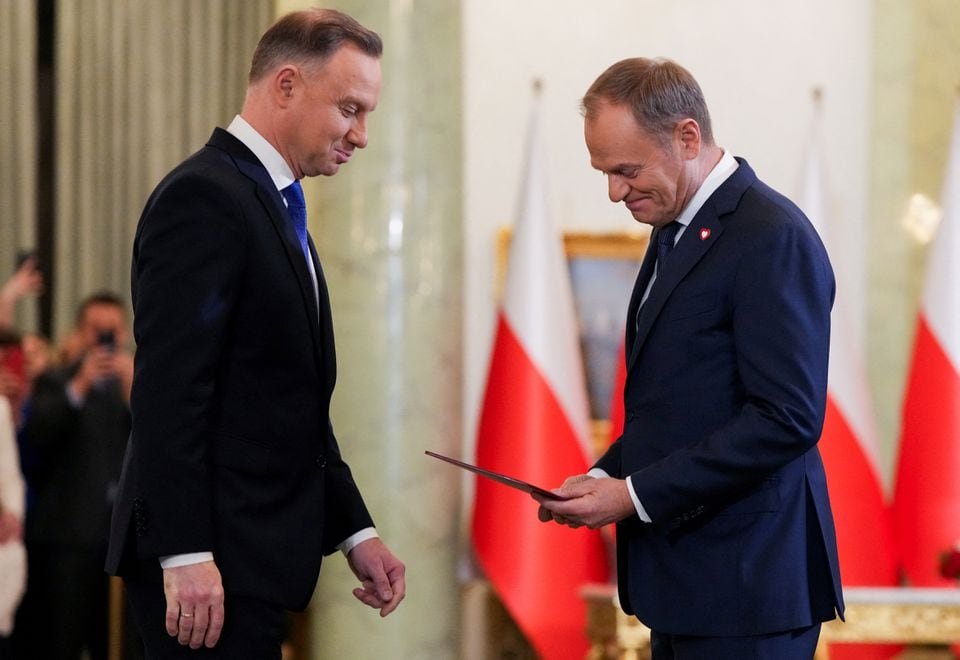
18	131
916	57
388	228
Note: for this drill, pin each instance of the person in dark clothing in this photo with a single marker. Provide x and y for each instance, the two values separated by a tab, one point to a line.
77	431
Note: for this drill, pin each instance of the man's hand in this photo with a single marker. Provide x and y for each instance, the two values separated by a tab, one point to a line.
380	573
593	502
26	281
97	365
102	363
194	604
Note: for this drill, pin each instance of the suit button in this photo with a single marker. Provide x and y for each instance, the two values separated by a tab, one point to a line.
321	462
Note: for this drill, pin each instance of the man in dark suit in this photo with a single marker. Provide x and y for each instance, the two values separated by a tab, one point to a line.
233	485
725	539
75	434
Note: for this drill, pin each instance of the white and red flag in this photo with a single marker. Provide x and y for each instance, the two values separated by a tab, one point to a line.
927	494
848	441
533	425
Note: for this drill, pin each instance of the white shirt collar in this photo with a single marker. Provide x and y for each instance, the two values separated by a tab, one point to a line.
269	157
720	173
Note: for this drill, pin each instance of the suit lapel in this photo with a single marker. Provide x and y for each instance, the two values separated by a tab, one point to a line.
701	235
325	317
276	210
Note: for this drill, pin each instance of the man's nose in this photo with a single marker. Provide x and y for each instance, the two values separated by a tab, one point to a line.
357	136
617	188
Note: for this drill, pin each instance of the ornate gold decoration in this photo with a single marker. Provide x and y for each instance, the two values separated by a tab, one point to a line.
926	619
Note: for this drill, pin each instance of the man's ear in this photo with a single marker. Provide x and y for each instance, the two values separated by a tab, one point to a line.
284	83
688	137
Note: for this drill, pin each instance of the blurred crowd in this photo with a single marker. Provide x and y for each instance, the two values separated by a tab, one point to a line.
64	423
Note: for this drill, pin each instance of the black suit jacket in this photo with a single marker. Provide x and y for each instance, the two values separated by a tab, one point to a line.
76	457
232	449
724	400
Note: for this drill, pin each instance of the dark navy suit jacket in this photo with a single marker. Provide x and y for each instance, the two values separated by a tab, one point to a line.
232	449
724	398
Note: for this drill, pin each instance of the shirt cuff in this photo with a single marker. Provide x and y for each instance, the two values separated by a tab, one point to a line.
644	516
175	561
597	473
353	541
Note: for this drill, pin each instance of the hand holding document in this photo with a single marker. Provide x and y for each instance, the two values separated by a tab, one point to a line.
499	477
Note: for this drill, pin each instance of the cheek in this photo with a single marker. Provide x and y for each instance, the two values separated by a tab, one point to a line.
332	126
667	189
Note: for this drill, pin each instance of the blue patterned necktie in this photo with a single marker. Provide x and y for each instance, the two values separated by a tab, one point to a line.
297	208
666	237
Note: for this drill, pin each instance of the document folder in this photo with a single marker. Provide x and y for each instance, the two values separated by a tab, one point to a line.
500	478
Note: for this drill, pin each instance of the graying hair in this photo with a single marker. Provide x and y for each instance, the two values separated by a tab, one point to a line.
659	92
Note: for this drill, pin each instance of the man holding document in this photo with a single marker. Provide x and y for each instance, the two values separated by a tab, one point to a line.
725	539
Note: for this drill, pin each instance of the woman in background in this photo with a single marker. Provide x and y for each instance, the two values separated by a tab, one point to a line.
13	557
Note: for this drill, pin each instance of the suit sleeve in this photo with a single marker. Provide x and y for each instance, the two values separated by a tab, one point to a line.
609	462
346	513
188	261
781	297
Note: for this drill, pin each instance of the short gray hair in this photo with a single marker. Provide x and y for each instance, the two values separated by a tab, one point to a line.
659	92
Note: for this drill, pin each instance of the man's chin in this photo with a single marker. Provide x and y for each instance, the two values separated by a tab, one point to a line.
327	170
643	218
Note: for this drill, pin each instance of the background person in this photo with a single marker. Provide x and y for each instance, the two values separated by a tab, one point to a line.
75	434
13	559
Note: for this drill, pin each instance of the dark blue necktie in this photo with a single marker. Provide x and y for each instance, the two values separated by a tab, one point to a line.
297	208
666	237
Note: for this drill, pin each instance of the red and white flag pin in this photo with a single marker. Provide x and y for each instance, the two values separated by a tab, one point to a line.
704	234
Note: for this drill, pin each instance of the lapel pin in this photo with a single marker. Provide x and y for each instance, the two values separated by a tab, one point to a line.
704	234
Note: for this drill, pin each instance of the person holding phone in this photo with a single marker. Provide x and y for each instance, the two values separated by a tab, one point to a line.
76	431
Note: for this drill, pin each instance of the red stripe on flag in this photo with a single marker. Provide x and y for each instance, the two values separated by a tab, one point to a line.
927	497
537	569
862	519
